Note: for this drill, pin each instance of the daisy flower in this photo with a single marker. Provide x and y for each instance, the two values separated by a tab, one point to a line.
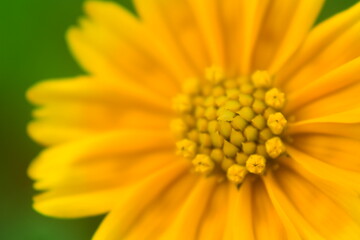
205	119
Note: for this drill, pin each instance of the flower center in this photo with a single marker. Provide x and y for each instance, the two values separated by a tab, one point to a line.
230	126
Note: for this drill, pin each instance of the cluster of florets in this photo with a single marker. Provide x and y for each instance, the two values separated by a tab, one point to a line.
230	125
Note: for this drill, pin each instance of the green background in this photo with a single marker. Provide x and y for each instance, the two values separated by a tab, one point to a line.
32	48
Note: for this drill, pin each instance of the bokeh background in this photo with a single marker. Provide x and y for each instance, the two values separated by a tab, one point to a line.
33	48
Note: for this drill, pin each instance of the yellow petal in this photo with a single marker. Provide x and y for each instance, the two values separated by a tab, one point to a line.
289	214
321	37
104	54
77	204
350	116
186	222
135	202
325	88
213	222
324	215
94	89
79	107
239	223
267	224
342	100
302	20
324	170
343	196
59	128
330	149
208	19
125	144
95	198
330	45
284	28
102	173
337	129
177	33
242	22
130	31
160	213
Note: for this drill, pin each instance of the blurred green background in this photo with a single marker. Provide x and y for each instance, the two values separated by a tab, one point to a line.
33	48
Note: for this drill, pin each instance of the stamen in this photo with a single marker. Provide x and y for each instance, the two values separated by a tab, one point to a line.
236	138
247	88
236	173
218	91
239	123
220	101
225	115
245	99
202	124
193	135
205	140
249	147
210	113
251	133
261	79
268	111
229	149
216	139
214	74
227	163
258	106
232	105
261	150
274	98
191	86
276	122
203	164
225	129
241	158
256	164
259	93
232	93
258	122
266	134
182	104
178	127
274	147
246	113
186	148
217	155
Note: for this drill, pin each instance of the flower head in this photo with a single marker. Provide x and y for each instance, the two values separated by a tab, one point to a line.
205	120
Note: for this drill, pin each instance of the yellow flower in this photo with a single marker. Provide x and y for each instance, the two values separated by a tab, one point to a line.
264	110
